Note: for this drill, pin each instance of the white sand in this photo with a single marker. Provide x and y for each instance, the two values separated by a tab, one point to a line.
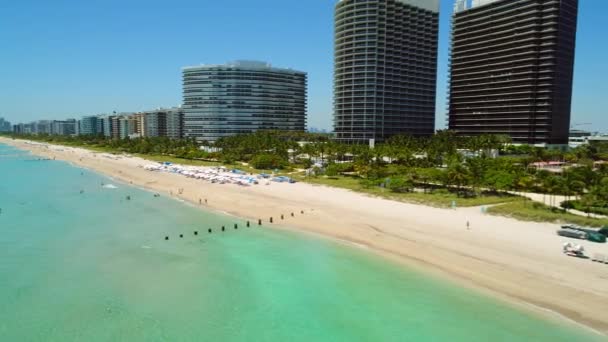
519	261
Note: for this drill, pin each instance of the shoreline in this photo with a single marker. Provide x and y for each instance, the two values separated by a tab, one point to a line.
500	257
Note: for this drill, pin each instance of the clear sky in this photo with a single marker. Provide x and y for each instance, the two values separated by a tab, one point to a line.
61	58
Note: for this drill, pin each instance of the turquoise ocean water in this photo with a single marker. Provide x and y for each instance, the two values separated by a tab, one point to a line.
96	267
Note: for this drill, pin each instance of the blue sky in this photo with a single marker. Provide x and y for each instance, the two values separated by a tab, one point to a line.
62	59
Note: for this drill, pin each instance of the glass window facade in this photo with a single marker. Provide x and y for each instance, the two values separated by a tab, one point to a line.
512	63
242	97
385	68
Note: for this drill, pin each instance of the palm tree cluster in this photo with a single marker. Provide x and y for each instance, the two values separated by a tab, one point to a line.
467	165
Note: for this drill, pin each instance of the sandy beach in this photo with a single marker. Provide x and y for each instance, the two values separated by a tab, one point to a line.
521	262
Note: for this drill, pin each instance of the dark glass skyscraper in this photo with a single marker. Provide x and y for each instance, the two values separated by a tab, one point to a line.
385	68
512	64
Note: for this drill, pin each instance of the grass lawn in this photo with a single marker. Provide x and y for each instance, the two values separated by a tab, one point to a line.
436	199
538	212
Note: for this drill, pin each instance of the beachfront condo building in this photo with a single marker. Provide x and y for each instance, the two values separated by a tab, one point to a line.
130	126
164	122
63	127
50	127
385	68
511	69
242	97
89	126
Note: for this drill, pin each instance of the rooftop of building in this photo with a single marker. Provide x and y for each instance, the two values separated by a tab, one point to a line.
431	5
162	109
243	65
465	5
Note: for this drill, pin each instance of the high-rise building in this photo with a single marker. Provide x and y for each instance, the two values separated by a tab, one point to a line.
137	120
63	127
5	126
385	68
43	127
114	127
164	122
89	126
242	97
102	123
512	64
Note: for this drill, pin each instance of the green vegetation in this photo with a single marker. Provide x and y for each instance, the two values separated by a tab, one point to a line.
432	170
581	205
437	198
538	212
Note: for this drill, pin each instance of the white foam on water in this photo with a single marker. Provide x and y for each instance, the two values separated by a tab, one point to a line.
110	186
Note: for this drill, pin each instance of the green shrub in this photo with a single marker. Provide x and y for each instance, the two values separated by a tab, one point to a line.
580	206
268	161
539	212
335	169
400	184
371	183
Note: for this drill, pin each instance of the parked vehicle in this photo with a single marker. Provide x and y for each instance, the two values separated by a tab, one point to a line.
593	234
604	231
573	233
596	237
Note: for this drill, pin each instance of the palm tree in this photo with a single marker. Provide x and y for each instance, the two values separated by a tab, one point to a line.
457	175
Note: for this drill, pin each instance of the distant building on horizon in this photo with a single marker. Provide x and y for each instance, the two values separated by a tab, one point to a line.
89	125
164	122
50	127
317	130
43	126
63	127
511	69
385	68
5	126
242	97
